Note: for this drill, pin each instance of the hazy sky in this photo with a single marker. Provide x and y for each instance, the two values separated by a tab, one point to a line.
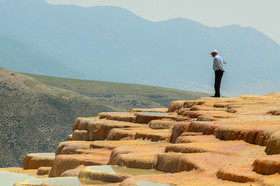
263	15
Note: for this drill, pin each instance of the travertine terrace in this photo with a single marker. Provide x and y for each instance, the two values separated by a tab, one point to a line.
209	141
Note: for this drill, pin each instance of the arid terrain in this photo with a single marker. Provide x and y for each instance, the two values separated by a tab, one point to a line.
209	141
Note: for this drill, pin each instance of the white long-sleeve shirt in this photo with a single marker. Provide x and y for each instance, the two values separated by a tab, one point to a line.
218	63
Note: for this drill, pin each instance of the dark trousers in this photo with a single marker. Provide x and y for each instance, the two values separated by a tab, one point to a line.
217	85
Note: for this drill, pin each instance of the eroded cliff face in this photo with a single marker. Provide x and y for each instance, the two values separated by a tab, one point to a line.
216	141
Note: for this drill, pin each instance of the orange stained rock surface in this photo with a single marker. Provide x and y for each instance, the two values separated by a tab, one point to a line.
30	172
209	141
35	161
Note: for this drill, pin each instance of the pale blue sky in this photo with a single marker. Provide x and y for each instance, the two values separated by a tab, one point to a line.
260	14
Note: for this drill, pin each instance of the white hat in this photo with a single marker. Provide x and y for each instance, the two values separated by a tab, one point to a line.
214	51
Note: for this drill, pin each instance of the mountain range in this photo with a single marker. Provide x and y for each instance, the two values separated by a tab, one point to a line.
113	44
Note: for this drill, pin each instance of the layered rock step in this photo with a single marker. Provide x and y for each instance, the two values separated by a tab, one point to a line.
114	174
267	165
90	129
36	160
209	141
238	174
72	154
137	156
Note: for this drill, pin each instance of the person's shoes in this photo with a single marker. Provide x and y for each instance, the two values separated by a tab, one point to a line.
215	96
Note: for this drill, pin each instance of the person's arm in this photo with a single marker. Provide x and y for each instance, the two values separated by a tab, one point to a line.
219	64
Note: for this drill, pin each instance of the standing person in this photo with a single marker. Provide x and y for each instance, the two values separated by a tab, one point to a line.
219	71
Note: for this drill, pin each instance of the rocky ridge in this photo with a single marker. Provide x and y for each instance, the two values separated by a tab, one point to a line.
209	141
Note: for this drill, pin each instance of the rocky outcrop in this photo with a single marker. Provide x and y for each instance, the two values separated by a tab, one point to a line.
267	165
238	174
73	172
177	105
34	161
102	176
140	156
121	134
162	124
147	117
178	130
140	160
207	141
90	129
63	163
71	147
154	135
44	170
273	143
175	163
127	117
205	127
